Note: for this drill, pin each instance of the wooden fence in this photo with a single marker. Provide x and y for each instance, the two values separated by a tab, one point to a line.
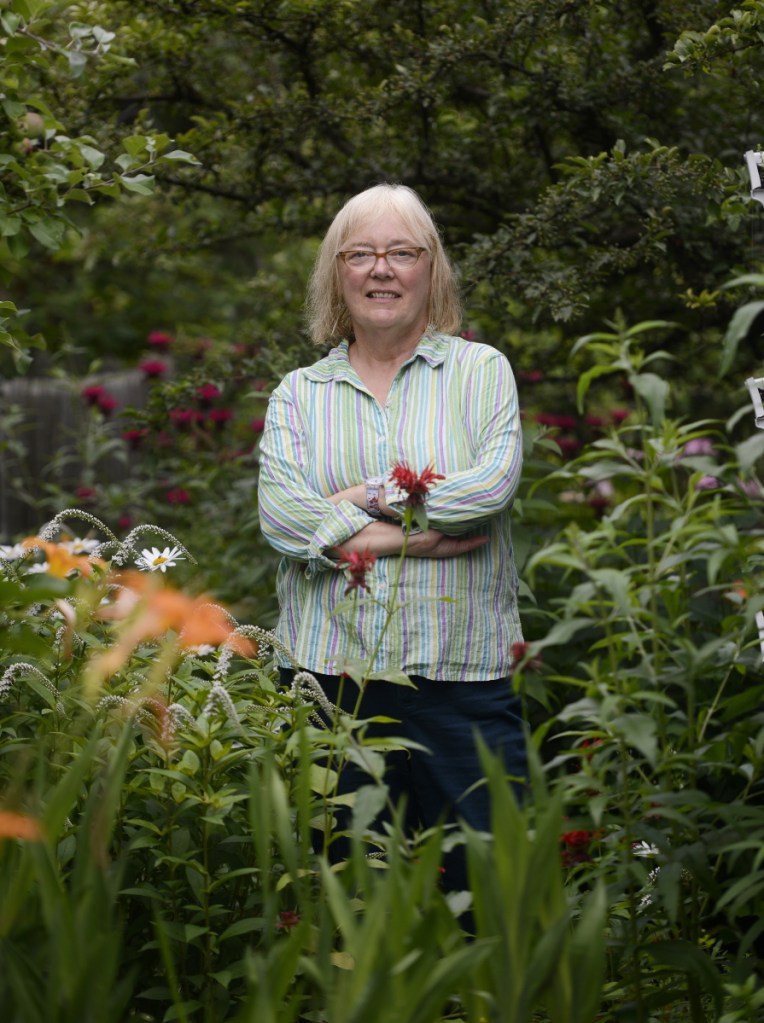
42	422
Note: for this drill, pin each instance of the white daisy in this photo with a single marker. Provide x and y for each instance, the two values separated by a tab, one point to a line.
151	560
80	546
12	553
41	566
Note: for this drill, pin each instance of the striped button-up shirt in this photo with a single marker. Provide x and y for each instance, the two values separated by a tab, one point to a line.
453	406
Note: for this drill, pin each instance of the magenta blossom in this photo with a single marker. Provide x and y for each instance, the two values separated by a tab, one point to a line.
699	446
183	418
153	368
177	496
93	393
207	393
160	341
106	404
707	483
220	416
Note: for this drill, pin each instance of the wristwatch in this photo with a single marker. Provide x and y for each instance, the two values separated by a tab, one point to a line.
372	496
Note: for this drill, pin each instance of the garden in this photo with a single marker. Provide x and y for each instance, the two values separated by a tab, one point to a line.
166	174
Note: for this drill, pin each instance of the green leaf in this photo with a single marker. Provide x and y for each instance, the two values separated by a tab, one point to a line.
739	328
654	391
181	155
586	379
47	232
750	451
142	184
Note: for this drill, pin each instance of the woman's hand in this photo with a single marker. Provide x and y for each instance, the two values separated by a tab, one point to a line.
432	544
385	540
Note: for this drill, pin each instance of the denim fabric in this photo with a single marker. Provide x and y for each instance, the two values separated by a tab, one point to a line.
443	717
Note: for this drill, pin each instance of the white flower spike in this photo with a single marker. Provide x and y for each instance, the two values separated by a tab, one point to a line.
151	560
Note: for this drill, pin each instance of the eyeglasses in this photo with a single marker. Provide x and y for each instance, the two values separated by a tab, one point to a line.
398	259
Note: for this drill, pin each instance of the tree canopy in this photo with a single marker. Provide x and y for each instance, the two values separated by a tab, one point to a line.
581	158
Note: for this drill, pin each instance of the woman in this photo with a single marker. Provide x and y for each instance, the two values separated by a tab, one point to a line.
398	388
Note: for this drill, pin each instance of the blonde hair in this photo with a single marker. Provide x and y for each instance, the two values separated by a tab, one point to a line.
327	316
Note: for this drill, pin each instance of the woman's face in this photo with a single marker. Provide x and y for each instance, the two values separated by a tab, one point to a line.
380	297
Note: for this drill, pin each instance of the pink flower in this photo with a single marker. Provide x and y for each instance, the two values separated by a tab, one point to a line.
568	445
531	376
415	487
124	521
699	446
106	404
85	493
707	483
93	393
177	496
220	416
134	438
750	488
618	415
207	393
153	368
287	920
469	335
258	425
183	418
357	565
552	419
159	340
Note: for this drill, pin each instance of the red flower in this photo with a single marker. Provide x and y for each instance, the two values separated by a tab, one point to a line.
106	404
619	414
469	335
153	367
519	653
357	565
93	393
287	920
220	416
134	438
531	376
177	496
85	493
207	393
577	847
159	340
183	418
124	521
414	487
568	444
552	419
258	425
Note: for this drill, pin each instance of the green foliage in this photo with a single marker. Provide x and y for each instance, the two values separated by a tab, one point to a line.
653	672
156	842
43	169
575	162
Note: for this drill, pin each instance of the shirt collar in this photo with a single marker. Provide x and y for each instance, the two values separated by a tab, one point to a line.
335	365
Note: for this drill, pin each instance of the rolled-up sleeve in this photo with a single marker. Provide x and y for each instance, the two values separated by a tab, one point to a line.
294	518
491	416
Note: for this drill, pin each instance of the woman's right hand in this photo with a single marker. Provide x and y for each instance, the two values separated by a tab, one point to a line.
432	544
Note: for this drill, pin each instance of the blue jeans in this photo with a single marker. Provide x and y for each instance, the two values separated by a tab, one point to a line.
444	718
